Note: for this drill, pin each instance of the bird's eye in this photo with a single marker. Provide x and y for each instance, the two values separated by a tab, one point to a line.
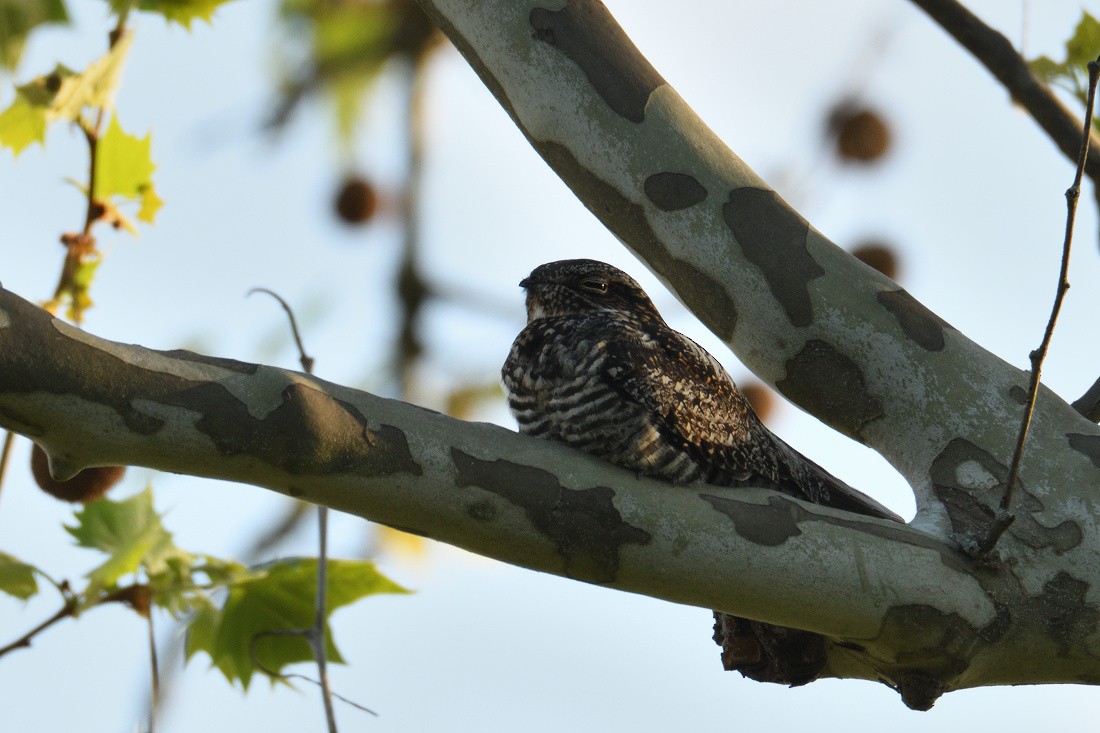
594	286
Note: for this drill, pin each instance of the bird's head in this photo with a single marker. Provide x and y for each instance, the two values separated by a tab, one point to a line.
581	287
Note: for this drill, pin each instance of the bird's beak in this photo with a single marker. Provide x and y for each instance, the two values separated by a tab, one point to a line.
525	282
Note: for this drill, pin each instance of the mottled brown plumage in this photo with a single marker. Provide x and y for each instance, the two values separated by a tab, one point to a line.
598	369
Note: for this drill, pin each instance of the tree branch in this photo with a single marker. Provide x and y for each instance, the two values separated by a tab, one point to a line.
1088	404
997	55
901	603
829	333
532	503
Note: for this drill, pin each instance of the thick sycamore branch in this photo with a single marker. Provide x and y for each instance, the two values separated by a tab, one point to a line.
879	585
89	401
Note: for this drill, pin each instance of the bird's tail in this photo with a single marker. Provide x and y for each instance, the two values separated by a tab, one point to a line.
812	482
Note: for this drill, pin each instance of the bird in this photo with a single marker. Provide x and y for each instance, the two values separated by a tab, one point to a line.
597	368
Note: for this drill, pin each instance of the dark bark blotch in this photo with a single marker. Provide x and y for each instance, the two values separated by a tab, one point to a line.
584	524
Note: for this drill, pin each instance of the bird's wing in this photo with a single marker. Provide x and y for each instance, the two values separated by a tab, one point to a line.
695	405
688	398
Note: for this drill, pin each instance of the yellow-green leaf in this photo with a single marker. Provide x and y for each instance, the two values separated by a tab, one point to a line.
183	12
22	124
64	93
1084	45
17	577
150	204
124	166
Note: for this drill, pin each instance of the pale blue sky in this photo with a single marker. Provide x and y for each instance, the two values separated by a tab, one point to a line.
972	195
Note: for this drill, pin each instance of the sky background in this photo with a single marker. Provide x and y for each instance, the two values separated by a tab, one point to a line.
971	195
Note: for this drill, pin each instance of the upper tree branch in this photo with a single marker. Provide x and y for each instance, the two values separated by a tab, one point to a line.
997	54
832	335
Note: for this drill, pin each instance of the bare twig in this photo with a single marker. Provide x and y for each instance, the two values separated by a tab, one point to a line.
997	54
1087	404
68	608
154	702
294	675
72	604
412	290
1004	517
315	634
304	359
5	455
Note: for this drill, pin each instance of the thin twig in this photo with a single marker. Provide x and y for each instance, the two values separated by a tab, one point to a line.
305	360
5	455
997	54
1004	517
294	675
94	209
154	703
412	290
315	634
68	608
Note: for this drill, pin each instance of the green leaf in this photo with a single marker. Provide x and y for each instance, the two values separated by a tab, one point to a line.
22	124
17	577
130	531
183	12
278	597
124	164
1084	46
18	18
1047	69
177	588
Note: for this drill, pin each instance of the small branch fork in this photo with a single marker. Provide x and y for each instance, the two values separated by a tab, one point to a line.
1004	517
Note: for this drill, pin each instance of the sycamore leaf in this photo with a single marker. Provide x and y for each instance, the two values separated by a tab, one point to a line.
130	531
150	204
1084	46
179	587
22	124
1072	73
17	577
278	597
18	18
183	12
124	167
64	93
1047	69
124	164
